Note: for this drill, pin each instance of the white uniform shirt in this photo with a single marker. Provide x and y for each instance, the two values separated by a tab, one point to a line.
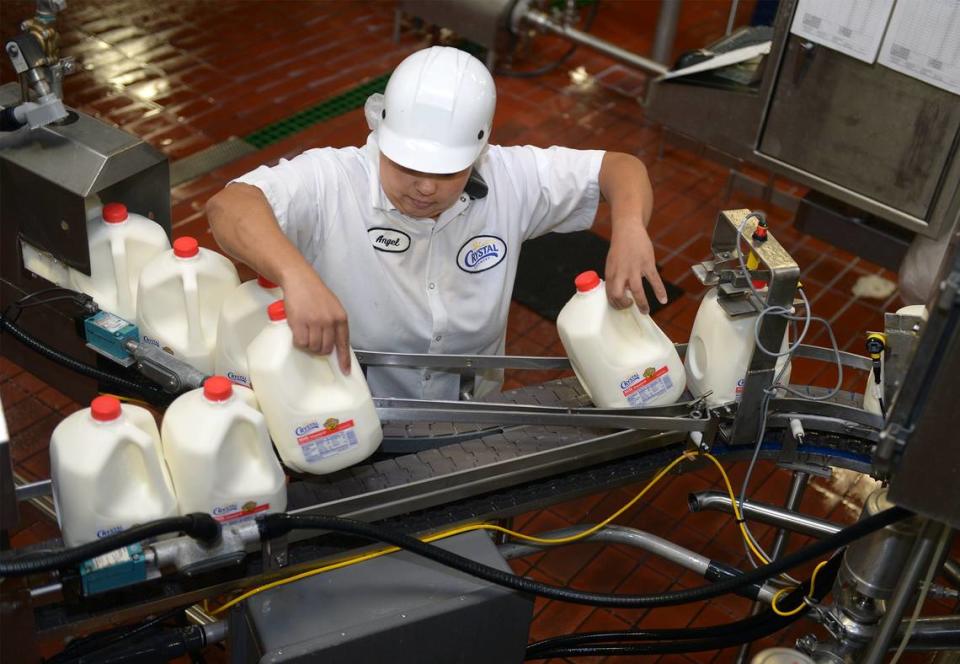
419	285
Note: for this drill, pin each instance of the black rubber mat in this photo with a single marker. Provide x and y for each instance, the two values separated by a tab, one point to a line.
549	264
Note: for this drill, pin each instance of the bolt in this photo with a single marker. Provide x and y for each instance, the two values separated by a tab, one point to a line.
807	643
13	50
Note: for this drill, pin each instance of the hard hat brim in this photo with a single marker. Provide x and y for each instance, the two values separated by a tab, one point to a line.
426	156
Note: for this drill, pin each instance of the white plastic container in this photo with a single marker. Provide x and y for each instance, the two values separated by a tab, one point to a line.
121	245
108	472
243	315
621	357
872	391
319	419
179	300
218	450
719	351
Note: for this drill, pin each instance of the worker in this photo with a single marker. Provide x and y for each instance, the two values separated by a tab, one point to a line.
414	238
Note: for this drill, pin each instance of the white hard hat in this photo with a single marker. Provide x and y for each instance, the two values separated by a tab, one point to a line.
438	110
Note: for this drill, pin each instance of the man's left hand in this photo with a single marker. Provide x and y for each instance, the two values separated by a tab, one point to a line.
630	261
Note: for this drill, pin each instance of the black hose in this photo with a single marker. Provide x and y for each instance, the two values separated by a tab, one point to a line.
274	525
713	637
199	526
760	621
31	342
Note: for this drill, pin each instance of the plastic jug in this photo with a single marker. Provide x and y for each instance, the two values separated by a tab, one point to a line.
108	472
179	299
872	390
121	244
319	419
218	450
242	317
621	357
719	352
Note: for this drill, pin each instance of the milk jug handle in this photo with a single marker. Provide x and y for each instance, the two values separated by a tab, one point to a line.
151	457
256	419
645	321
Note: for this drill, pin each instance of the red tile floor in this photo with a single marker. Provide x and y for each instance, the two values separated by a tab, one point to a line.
187	75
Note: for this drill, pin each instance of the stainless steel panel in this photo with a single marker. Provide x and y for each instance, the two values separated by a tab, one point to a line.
864	127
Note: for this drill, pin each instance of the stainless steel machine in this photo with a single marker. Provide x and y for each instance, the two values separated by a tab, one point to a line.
454	464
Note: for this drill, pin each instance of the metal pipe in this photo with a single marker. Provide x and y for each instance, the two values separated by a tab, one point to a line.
732	16
938	632
666	31
658	546
215	632
545	23
951	570
763	513
897	605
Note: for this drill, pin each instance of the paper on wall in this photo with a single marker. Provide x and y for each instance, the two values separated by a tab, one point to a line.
853	27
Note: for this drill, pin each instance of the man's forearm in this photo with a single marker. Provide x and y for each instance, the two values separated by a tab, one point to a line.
624	183
245	228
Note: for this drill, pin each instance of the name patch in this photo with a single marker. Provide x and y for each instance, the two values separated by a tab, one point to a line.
389	240
481	253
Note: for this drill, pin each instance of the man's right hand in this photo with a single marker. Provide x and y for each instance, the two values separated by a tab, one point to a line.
316	317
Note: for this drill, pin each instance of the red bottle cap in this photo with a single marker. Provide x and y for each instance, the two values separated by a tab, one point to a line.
185	247
114	213
587	281
264	282
104	409
277	311
217	388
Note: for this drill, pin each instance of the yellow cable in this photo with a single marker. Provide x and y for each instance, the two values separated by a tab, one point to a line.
518	535
799	608
457	531
139	402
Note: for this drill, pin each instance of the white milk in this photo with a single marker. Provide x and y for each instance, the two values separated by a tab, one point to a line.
871	391
218	450
319	419
620	356
243	315
108	472
719	352
121	245
179	299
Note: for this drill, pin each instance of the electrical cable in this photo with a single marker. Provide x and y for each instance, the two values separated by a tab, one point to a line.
275	525
922	597
95	643
713	637
500	529
546	69
199	526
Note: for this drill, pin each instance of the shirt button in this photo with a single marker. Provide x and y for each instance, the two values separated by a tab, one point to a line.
463	199
437	338
432	285
427	377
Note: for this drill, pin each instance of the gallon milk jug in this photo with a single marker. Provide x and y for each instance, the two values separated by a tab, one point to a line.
121	244
218	450
621	357
179	300
872	391
719	352
108	472
243	315
319	419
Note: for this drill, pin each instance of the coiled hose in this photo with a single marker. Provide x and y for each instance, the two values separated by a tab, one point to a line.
198	526
274	525
34	344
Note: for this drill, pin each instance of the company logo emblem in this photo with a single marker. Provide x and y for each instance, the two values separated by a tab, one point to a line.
389	240
307	428
649	371
331	424
480	253
224	509
249	506
238	378
106	532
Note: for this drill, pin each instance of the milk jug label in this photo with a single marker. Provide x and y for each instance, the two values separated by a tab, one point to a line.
238	378
323	440
238	512
739	391
106	532
646	385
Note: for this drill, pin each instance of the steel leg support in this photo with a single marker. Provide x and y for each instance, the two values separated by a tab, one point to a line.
900	602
